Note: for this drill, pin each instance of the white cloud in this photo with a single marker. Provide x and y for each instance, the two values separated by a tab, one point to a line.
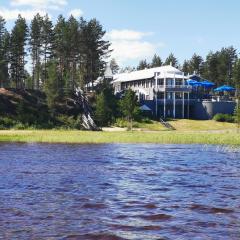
40	4
76	13
129	45
126	34
12	14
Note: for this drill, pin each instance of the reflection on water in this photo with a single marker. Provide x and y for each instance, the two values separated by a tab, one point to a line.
119	191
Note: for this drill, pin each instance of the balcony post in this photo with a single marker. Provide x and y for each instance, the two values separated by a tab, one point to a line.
156	110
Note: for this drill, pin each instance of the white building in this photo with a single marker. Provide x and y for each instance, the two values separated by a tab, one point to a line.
164	88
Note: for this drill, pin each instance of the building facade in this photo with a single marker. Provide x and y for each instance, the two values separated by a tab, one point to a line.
163	89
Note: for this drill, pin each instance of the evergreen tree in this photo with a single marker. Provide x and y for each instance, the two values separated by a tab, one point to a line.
18	41
35	42
143	65
96	49
186	67
171	60
51	87
106	104
4	53
156	61
72	54
129	106
47	44
195	64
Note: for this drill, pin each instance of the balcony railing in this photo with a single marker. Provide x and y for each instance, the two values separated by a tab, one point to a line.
182	88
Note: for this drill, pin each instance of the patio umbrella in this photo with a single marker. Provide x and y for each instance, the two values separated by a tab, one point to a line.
207	84
224	88
192	82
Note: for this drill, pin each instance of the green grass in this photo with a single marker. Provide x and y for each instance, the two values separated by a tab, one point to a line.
201	125
63	136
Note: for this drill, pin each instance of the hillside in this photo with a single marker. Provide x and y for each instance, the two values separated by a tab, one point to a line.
28	108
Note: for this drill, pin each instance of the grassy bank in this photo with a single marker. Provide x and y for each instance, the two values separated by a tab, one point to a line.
51	136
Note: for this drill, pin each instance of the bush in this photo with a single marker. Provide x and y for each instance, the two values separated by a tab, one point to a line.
70	122
121	123
6	122
220	117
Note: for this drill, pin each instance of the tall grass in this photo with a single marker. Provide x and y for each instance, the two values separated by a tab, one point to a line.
63	136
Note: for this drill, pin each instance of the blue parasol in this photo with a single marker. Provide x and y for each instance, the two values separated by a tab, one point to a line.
224	88
207	84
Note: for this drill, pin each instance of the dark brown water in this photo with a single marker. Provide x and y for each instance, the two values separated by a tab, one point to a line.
119	191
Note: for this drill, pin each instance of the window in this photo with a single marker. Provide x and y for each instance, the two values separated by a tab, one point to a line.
178	82
160	82
169	82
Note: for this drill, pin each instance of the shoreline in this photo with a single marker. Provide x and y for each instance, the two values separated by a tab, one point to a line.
134	137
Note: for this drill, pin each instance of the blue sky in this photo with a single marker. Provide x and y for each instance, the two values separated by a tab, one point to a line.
139	28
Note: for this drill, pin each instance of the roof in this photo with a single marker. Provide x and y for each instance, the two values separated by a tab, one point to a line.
145	108
163	71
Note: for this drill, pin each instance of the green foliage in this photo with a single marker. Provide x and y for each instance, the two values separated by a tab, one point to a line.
51	87
143	65
237	114
18	41
106	105
66	122
129	106
171	60
156	61
223	118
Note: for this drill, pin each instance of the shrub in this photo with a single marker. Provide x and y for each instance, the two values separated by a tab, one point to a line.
6	122
220	117
70	122
121	123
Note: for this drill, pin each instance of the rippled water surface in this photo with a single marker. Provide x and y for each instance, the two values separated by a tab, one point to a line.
119	191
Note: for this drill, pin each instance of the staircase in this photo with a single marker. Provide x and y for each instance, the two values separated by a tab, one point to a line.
87	120
166	124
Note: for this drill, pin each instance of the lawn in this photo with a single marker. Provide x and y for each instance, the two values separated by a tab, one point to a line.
200	125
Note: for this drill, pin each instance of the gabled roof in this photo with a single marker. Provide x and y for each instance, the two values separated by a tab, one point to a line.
162	72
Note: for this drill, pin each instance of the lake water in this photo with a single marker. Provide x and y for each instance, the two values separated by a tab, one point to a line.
119	191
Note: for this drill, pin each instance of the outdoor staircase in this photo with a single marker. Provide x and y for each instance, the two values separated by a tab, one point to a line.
166	124
87	120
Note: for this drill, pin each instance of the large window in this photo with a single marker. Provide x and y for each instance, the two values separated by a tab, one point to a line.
160	82
169	82
179	82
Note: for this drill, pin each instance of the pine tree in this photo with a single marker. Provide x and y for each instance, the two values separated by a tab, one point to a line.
129	106
186	67
36	29
47	44
73	35
195	64
4	53
156	61
171	60
18	41
143	65
96	49
51	87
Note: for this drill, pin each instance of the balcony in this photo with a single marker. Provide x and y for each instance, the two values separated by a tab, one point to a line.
176	88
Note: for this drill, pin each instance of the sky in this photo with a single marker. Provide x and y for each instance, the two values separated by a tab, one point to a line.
139	28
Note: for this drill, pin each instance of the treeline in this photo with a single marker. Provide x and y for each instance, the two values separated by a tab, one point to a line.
220	67
63	55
